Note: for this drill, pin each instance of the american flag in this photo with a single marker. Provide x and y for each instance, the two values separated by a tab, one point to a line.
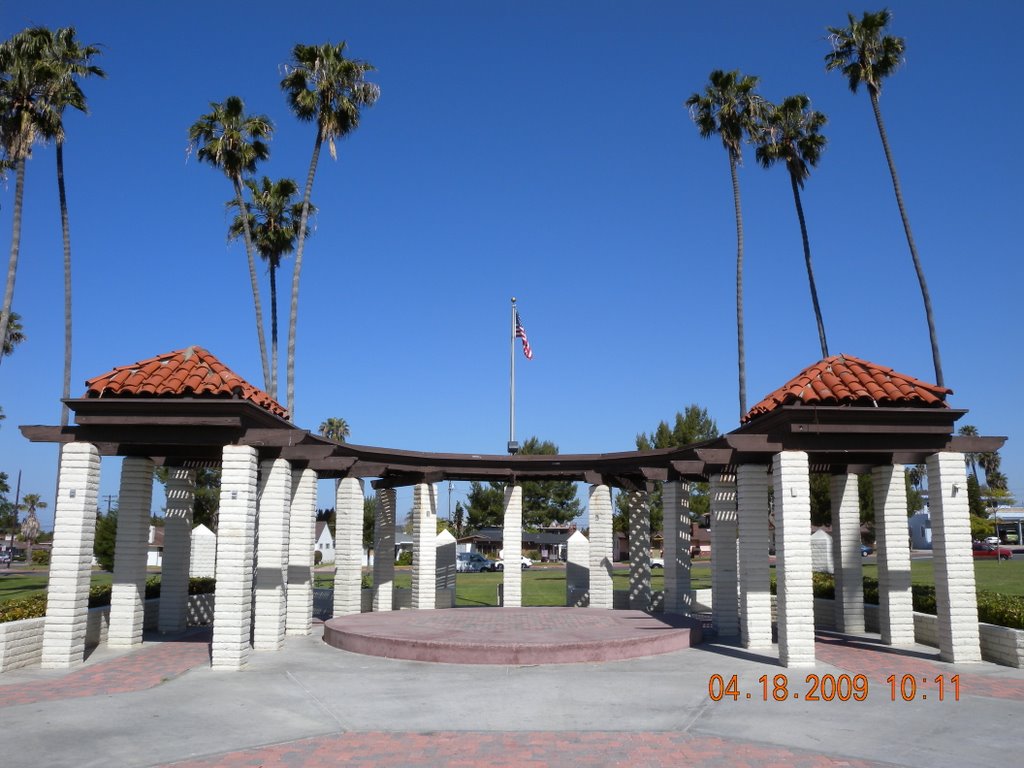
521	334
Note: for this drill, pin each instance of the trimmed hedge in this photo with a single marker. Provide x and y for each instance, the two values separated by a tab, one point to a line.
34	607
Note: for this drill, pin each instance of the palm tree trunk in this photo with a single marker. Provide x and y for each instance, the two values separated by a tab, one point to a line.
260	333
273	330
810	269
66	232
293	316
12	264
740	350
933	336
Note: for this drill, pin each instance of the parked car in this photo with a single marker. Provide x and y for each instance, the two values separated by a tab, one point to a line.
865	550
524	561
473	562
981	549
994	540
657	562
5	558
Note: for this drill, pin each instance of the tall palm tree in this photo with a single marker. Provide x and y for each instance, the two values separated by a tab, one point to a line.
334	428
729	108
30	502
14	336
791	133
68	61
867	56
25	117
234	143
324	86
273	216
969	430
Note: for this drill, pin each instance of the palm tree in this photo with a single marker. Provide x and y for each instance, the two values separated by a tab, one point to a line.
866	56
68	61
234	142
729	108
969	430
323	86
273	217
25	118
13	337
30	502
790	133
335	428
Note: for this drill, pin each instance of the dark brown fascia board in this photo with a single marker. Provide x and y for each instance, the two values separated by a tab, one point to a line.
782	416
99	408
976	444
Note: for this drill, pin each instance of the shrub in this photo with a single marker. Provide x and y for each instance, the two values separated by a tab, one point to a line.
405	558
202	585
41	556
318	557
26	608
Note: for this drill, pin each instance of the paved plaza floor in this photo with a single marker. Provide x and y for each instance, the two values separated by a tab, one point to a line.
314	705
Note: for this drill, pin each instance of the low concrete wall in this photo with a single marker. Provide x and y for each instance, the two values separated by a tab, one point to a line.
620	600
1000	645
21	642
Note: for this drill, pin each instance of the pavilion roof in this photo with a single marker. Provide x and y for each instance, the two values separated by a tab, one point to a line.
847	380
188	372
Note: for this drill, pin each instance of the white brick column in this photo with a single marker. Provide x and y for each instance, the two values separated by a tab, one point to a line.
424	538
602	540
74	530
384	550
849	577
724	583
128	593
236	548
895	602
792	484
755	578
639	551
512	547
675	498
348	547
301	527
177	558
956	600
275	495
577	571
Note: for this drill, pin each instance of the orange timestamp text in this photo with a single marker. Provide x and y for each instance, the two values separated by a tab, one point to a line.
830	687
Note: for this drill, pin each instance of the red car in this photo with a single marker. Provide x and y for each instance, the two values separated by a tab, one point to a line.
990	550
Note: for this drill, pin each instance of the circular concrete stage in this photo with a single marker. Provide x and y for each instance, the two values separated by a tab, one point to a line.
512	635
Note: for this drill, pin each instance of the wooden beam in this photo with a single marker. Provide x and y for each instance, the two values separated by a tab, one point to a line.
870	429
753	443
654	473
975	444
158	421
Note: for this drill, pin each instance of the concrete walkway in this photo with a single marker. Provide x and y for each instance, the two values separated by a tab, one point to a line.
313	705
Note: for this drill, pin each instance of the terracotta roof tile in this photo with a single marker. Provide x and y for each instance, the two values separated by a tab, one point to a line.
847	380
189	372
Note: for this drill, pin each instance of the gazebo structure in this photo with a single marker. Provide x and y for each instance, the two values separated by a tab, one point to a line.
185	409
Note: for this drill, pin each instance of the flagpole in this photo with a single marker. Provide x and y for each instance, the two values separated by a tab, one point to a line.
513	446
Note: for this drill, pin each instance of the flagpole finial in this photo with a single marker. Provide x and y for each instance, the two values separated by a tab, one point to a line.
513	299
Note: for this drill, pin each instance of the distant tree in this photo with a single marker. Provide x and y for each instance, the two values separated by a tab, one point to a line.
369	513
335	429
975	502
968	430
460	519
15	336
790	133
328	516
325	87
729	108
30	502
486	506
106	539
867	57
206	500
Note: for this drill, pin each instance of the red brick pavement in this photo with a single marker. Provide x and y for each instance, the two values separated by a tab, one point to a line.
150	665
520	750
878	662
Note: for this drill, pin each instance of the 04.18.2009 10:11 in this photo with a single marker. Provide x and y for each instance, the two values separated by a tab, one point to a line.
830	687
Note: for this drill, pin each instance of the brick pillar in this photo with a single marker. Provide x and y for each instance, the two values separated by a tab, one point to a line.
639	551
675	498
895	602
384	550
74	530
275	495
724	583
236	548
791	479
128	595
301	526
602	540
512	547
424	537
956	600
755	580
348	547
577	571
177	559
849	602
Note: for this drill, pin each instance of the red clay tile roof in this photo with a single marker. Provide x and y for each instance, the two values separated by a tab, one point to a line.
847	380
189	372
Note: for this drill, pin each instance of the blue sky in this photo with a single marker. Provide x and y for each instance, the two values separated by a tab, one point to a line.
538	150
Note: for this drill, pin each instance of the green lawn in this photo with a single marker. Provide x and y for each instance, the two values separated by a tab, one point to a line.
14	585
